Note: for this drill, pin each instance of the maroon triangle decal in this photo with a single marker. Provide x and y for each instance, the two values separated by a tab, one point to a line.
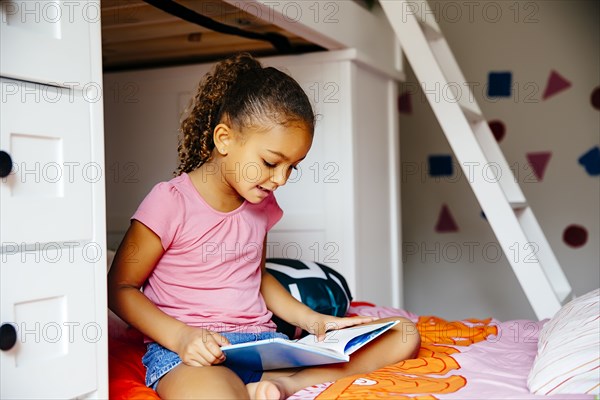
539	162
556	83
445	221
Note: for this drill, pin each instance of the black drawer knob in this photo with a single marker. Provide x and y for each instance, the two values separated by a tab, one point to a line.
5	164
8	336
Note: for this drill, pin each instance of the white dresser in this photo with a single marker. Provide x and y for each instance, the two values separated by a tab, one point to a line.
52	202
341	208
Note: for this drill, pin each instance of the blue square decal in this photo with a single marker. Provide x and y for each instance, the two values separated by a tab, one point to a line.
440	165
499	84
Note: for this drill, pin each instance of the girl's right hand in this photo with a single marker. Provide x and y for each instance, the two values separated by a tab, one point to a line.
200	347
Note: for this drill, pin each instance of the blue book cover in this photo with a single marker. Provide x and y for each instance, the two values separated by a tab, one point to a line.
281	353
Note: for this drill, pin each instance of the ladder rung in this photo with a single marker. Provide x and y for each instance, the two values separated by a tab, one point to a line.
518	205
494	156
539	249
455	80
432	33
564	295
421	10
472	115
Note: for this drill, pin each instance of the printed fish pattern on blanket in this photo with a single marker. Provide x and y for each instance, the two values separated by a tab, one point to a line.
424	374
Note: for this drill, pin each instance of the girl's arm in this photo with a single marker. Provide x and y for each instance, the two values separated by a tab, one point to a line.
138	254
286	307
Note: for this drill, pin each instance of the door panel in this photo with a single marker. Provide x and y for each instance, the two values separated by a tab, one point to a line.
48	137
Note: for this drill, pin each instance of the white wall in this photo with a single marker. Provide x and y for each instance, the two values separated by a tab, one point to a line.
530	39
141	122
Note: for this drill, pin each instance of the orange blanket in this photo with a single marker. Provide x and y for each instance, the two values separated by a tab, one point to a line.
422	374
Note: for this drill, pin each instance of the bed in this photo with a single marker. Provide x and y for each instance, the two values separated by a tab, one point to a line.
466	359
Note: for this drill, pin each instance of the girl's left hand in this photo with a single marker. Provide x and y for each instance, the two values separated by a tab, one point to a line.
319	324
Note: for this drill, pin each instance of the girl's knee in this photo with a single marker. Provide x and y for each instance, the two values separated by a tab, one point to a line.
185	382
409	338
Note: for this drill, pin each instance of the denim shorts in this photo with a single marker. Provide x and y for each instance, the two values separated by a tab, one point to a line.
159	360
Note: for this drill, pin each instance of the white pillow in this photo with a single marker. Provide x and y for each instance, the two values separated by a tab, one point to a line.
568	357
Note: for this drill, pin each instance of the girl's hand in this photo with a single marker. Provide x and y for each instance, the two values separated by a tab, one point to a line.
200	347
319	324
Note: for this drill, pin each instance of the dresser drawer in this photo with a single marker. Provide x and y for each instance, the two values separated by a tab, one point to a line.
48	296
48	195
51	39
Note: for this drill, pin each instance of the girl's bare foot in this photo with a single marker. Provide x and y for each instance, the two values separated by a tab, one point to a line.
266	390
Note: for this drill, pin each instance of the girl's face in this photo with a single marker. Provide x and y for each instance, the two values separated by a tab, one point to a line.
259	161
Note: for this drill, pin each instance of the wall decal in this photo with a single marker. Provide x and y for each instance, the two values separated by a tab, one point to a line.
591	161
498	129
440	165
445	221
595	98
556	84
499	84
575	235
539	162
404	103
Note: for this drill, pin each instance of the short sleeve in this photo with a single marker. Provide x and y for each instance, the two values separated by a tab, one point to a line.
273	211
162	211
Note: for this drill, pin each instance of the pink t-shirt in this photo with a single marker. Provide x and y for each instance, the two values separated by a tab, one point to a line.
209	275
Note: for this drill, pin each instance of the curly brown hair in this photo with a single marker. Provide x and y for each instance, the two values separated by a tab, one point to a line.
240	92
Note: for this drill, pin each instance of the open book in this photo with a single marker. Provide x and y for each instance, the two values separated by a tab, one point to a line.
281	353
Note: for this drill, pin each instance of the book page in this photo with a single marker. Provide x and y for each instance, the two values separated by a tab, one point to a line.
338	339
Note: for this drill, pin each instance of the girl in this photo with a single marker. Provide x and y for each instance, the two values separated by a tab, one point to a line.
196	245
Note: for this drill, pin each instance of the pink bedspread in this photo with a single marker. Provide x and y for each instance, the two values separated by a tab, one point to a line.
467	359
496	367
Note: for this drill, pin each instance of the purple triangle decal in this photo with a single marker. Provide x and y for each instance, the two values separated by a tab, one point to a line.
539	162
445	221
556	83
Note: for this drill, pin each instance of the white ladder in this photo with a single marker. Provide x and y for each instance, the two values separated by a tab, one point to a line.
475	148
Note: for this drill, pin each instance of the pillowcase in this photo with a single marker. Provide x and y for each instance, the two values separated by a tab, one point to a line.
568	358
316	285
